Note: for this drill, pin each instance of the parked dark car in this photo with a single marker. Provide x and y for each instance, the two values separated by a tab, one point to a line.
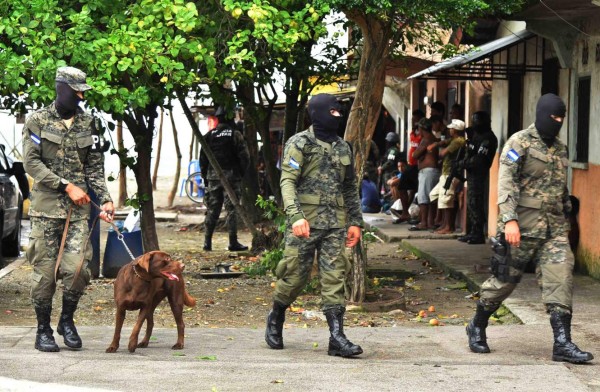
14	188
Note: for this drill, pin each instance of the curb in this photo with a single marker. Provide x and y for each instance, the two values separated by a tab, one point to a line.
471	284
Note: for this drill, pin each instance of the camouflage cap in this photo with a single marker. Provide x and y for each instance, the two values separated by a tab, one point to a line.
425	123
73	77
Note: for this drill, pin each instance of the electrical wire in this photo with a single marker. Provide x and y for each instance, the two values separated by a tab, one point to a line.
563	19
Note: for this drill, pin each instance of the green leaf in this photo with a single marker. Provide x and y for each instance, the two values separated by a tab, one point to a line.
207	357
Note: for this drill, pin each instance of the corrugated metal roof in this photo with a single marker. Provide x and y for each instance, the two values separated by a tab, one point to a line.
479	53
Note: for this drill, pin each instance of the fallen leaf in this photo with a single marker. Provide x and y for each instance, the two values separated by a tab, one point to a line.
98	308
207	357
277	382
178	354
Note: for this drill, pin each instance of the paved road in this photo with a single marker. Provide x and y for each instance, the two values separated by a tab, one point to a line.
418	358
395	359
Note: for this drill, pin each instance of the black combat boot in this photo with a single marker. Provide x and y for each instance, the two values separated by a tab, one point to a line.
476	329
564	350
465	238
339	345
234	245
477	236
275	320
44	341
207	241
66	326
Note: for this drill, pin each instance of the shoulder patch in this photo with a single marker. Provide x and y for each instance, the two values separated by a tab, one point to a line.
513	155
294	164
35	138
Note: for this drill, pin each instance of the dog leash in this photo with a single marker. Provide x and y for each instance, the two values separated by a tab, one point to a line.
120	237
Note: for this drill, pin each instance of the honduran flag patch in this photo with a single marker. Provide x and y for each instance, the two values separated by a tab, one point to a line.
293	164
513	155
35	138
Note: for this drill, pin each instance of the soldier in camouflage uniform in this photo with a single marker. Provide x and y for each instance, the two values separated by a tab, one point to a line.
534	205
230	150
320	198
58	154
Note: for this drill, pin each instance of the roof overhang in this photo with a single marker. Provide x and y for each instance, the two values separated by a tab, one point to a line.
480	63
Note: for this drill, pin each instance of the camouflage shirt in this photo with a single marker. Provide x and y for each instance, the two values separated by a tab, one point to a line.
52	152
532	185
318	182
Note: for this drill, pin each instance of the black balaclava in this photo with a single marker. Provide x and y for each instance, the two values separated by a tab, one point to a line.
481	122
325	125
67	100
547	127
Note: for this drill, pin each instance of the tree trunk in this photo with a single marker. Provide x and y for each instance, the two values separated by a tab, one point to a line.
215	165
158	149
359	273
175	185
142	134
122	169
364	114
250	181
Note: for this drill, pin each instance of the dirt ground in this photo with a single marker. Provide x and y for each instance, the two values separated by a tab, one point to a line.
244	301
394	298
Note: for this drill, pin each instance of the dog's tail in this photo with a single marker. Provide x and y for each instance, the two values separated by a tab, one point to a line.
188	300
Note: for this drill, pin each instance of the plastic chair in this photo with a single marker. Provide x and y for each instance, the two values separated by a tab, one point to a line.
193	167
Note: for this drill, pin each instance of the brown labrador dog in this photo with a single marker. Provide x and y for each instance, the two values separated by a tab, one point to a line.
143	284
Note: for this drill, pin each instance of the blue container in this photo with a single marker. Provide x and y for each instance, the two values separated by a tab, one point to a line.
115	254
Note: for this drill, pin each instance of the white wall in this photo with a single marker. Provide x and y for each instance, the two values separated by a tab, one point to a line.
11	135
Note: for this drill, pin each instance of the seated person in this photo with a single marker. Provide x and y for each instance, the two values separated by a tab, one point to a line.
370	202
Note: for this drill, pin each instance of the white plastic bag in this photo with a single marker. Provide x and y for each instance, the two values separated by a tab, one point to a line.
132	222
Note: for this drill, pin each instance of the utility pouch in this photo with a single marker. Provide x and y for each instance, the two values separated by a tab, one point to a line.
501	261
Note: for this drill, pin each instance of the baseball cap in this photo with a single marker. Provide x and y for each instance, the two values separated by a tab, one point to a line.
74	77
425	123
457	124
392	137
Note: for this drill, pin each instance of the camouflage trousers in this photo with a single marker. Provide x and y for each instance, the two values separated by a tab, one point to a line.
44	243
554	271
214	199
293	271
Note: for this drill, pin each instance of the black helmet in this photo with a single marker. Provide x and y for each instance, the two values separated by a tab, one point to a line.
392	137
220	112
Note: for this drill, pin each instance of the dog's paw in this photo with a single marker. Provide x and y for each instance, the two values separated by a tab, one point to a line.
142	344
177	346
112	349
132	348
